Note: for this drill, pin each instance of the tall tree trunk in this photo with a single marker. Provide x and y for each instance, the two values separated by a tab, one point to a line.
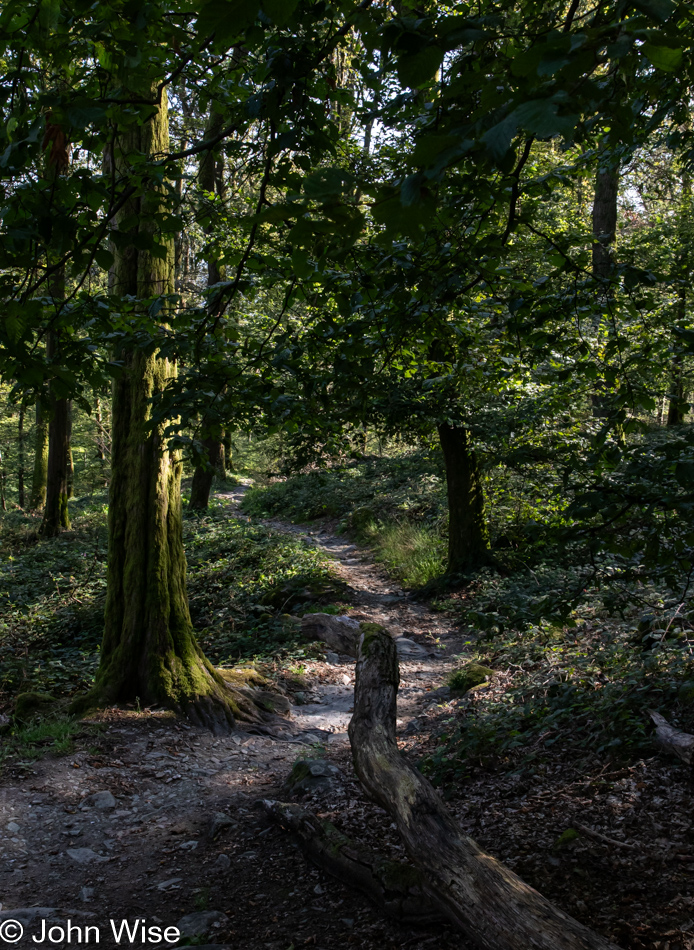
676	407
69	461
20	456
204	474
55	513
604	221
149	652
40	472
468	540
228	454
210	183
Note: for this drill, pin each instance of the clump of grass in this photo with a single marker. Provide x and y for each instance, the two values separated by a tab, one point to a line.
54	736
414	554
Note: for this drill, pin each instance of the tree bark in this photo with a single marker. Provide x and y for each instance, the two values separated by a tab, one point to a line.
206	469
604	221
69	461
149	653
676	404
394	887
40	472
491	905
468	540
204	474
55	514
21	499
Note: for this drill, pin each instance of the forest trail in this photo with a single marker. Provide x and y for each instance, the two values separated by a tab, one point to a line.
156	819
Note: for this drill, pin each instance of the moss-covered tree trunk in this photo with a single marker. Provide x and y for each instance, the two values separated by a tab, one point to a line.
69	461
210	185
204	474
149	652
468	539
37	499
55	513
21	460
677	395
227	461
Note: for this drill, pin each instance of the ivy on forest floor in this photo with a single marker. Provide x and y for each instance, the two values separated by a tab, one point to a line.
243	580
585	688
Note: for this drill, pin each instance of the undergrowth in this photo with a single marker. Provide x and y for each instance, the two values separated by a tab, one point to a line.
585	688
396	505
243	580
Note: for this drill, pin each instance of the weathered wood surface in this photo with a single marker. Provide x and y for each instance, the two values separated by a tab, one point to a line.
393	886
673	740
490	904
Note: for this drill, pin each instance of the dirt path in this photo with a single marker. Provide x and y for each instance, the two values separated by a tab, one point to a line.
154	819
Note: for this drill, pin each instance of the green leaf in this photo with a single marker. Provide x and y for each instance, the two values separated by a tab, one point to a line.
418	69
279	11
540	117
327	183
227	18
660	10
104	258
663	57
49	14
301	264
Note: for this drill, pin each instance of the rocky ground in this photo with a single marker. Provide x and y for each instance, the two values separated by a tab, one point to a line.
155	821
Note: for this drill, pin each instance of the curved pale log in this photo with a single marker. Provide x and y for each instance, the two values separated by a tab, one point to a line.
673	740
490	904
394	887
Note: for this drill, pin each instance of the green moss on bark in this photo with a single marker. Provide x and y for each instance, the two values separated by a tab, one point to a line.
149	653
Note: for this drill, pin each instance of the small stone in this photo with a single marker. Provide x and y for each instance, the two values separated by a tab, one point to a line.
318	890
166	884
348	921
103	800
200	923
188	846
220	823
84	855
332	658
223	863
407	647
86	894
13	827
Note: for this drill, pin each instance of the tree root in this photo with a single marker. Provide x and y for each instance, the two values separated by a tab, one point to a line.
490	904
394	887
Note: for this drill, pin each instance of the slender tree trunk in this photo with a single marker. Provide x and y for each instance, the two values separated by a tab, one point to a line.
676	408
228	454
604	221
149	653
468	540
55	513
20	456
40	473
604	230
209	184
3	499
204	474
70	462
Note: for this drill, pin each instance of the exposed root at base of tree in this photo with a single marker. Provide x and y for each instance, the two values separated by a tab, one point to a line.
490	904
219	709
394	887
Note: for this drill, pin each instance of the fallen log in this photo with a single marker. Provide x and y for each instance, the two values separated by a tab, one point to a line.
673	740
394	887
490	904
